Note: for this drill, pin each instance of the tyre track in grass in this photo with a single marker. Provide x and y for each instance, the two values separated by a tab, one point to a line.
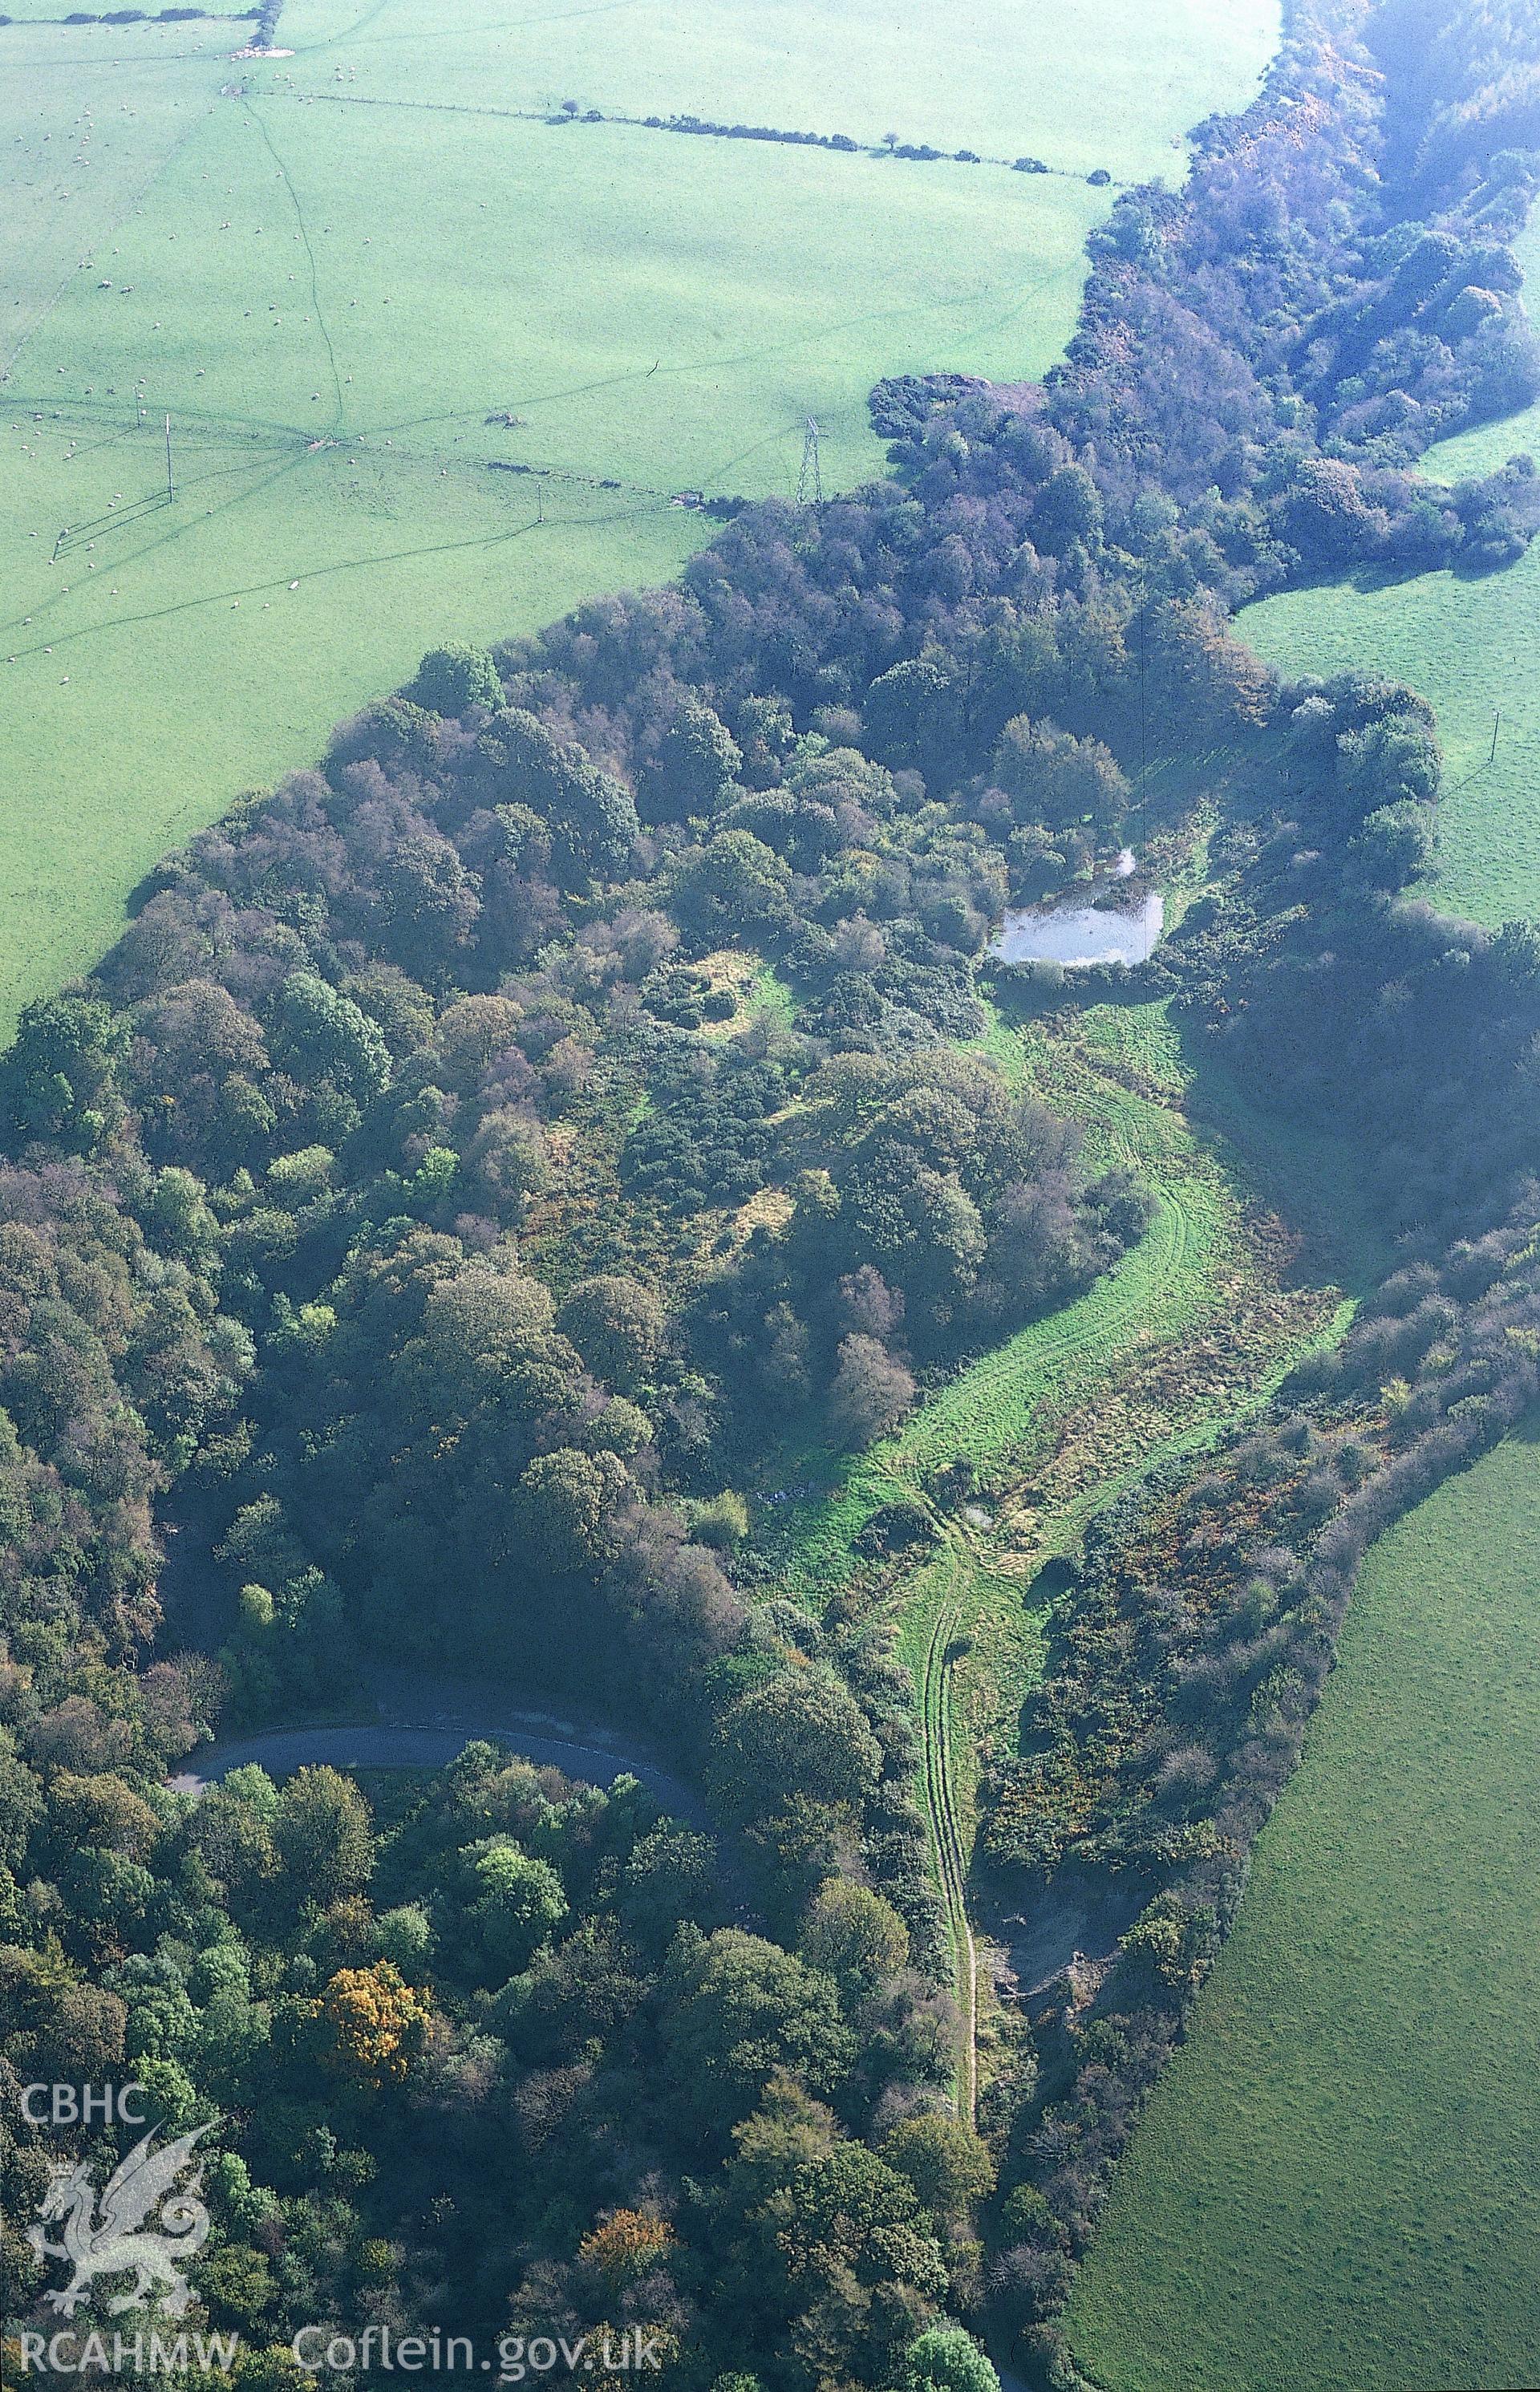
947	1840
951	1842
1192	1274
338	406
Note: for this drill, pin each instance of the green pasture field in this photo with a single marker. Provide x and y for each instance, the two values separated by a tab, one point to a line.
85	129
1332	2186
1471	645
329	301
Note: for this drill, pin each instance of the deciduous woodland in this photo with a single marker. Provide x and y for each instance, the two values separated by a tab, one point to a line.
487	1160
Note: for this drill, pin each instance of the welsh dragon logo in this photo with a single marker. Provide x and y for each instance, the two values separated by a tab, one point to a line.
118	2242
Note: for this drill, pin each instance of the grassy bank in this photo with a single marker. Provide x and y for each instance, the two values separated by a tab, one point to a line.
1193	1320
1199	1321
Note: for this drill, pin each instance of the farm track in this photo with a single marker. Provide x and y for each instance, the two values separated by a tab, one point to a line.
951	1842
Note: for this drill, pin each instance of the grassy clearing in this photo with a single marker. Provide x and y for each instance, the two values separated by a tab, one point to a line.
1193	1320
1472	647
1348	2135
1196	1325
662	314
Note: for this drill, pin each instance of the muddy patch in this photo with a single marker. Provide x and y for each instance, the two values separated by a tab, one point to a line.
1070	1925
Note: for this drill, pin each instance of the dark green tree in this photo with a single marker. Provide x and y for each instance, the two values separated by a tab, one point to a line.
451	680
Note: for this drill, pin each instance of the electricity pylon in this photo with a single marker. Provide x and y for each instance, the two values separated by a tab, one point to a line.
810	482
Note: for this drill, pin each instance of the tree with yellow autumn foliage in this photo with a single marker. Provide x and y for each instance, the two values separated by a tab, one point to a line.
626	2246
376	2021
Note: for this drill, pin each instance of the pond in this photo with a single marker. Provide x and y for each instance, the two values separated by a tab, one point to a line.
1081	934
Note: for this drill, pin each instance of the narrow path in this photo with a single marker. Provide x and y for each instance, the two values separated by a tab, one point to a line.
951	1845
338	409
